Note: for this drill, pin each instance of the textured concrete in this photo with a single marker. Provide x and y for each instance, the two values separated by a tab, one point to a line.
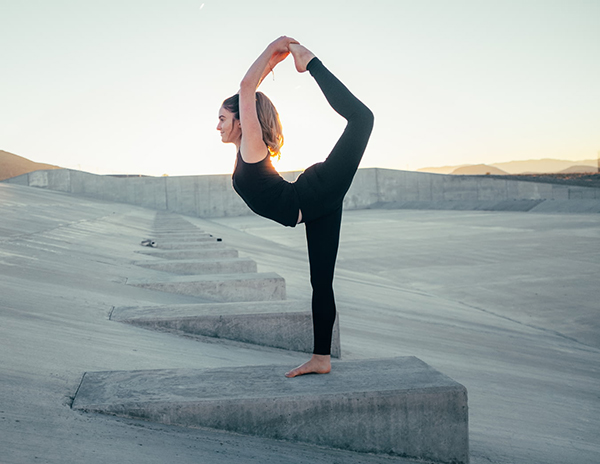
582	205
506	303
201	266
213	196
183	228
283	324
185	237
172	244
397	406
191	253
260	286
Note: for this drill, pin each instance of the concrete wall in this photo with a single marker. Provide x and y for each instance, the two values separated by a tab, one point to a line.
213	196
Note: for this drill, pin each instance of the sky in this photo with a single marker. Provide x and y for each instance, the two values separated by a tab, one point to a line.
134	86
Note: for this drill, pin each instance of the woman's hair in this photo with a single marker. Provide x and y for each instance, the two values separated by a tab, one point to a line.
268	117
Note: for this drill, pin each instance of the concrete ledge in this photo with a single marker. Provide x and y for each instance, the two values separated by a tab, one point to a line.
185	237
166	244
201	266
397	406
283	324
568	206
191	229
263	286
461	205
195	253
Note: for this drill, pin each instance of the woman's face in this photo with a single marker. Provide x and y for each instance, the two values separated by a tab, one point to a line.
229	127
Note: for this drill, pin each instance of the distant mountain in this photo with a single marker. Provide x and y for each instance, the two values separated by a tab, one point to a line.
12	165
442	169
579	169
546	165
479	169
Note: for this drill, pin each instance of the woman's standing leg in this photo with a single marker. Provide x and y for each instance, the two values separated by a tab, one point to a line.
323	238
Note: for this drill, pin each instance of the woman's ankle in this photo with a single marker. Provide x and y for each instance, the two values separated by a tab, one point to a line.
302	56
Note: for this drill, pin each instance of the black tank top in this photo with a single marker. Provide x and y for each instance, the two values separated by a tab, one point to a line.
265	191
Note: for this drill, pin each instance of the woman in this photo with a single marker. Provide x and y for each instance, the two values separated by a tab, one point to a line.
249	120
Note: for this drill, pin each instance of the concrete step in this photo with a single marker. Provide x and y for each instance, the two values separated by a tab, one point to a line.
190	229
398	406
186	237
168	244
261	286
201	266
175	226
195	253
285	324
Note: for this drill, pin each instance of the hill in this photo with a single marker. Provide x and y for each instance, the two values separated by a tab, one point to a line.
12	165
546	165
579	169
478	170
441	169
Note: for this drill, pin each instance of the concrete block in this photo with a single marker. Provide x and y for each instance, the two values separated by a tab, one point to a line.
398	406
59	179
262	286
201	266
165	244
177	230
196	253
186	237
38	179
285	324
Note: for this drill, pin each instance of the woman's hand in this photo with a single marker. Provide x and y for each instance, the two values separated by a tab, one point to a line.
281	44
279	50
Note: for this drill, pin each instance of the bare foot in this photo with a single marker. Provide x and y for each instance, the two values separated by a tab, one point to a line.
318	364
302	56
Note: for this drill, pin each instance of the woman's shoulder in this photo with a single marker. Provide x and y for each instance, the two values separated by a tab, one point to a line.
253	159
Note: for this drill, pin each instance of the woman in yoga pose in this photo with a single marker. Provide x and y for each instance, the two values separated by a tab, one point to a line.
250	121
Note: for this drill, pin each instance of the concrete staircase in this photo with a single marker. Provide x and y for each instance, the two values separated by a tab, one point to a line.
398	406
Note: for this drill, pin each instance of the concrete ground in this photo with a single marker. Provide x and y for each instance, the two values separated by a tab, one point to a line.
504	303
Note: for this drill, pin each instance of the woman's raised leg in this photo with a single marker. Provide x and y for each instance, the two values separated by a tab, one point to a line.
329	181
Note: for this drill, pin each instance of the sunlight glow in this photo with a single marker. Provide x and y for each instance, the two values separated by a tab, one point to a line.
450	83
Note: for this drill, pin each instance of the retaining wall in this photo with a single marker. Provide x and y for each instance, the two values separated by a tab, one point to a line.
213	196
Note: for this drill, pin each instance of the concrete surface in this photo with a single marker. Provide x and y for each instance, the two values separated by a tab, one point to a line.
213	196
285	324
185	237
259	286
505	303
397	406
190	253
201	266
170	244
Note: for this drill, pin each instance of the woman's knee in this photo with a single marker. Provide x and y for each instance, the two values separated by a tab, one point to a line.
365	118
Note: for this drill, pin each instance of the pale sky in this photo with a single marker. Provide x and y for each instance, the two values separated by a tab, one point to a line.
134	86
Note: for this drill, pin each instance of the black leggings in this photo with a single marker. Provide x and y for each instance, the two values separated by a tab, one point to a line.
321	190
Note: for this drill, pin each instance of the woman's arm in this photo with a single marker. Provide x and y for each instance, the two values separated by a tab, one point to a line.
253	149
